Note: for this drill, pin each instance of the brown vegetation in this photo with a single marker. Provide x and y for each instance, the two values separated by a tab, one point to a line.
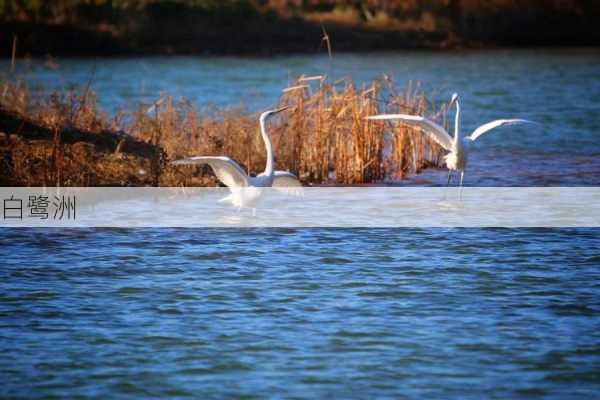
109	27
63	139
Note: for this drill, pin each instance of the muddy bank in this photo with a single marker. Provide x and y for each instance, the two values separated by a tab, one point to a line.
35	155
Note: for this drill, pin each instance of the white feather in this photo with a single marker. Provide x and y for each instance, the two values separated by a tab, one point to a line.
495	124
433	130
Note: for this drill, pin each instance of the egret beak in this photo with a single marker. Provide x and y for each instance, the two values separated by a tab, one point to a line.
454	99
280	109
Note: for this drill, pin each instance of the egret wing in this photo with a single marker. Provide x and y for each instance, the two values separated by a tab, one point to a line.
288	183
495	124
433	130
227	170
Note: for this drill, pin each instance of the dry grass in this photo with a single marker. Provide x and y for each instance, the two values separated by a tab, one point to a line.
323	137
75	108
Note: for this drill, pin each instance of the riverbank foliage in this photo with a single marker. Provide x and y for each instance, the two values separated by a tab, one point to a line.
323	136
125	27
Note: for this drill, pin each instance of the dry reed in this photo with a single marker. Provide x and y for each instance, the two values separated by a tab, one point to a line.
323	137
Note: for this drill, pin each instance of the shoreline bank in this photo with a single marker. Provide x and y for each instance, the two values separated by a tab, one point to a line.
244	28
64	139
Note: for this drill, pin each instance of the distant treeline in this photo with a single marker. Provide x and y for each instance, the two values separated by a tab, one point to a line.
113	27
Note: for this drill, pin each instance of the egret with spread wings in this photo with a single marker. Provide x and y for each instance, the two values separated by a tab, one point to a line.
456	159
247	191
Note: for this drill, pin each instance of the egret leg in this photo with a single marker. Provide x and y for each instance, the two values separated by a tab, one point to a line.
254	212
462	175
447	183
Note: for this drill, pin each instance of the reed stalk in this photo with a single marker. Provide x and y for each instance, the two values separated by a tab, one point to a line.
323	137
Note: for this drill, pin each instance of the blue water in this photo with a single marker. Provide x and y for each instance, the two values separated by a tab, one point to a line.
323	313
308	313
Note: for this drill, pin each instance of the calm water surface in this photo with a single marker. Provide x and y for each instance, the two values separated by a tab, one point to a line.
328	313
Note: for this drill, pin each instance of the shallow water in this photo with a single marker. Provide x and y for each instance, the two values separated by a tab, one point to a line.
336	313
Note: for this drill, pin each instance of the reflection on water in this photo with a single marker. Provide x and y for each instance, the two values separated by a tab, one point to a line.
449	205
232	220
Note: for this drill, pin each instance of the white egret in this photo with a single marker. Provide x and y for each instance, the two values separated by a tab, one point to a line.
247	191
458	147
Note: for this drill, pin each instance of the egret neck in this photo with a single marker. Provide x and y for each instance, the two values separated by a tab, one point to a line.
268	145
457	122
